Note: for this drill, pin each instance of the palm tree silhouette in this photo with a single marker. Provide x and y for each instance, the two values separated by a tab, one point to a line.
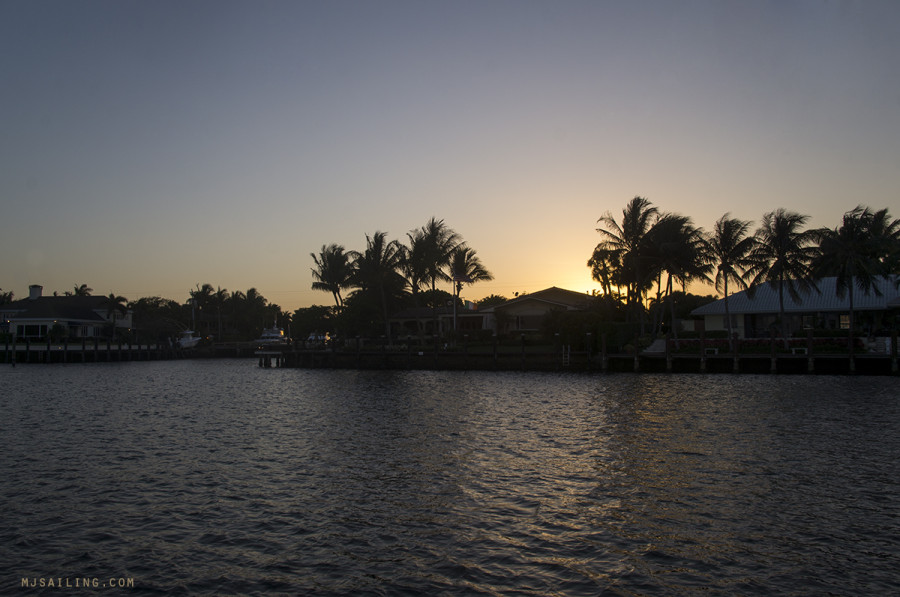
675	247
855	253
82	290
887	233
465	268
219	299
414	263
376	270
625	243
332	271
438	243
782	257
114	305
604	264
729	247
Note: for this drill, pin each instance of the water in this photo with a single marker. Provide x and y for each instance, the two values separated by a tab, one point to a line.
217	477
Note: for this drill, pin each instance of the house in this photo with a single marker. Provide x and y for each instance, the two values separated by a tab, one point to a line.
754	316
35	317
526	312
421	321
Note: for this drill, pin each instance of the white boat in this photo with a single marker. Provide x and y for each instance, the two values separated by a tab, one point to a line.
187	339
272	337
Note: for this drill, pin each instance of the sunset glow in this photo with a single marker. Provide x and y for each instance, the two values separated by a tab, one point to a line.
150	147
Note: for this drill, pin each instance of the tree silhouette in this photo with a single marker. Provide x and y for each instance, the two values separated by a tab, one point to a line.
439	241
465	268
604	264
625	245
83	290
729	247
782	258
332	271
376	271
114	305
856	254
676	248
414	264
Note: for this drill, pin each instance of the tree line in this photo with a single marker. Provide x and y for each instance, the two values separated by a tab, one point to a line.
367	286
389	275
649	249
208	310
639	262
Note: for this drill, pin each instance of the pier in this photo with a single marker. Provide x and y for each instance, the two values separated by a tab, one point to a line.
668	357
92	350
705	359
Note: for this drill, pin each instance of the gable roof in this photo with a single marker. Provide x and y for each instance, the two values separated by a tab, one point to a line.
552	296
765	300
83	308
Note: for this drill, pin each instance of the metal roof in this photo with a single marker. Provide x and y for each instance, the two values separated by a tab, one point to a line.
765	300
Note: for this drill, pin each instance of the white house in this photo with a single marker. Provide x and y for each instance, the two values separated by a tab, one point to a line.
753	316
82	316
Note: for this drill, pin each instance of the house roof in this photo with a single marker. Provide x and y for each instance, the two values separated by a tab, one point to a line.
82	308
552	296
765	300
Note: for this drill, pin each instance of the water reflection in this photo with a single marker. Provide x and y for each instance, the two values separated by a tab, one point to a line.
208	477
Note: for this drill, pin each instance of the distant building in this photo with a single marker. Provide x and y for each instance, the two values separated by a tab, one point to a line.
34	317
421	320
525	313
522	314
754	317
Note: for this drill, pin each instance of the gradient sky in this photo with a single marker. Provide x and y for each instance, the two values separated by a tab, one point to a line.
147	147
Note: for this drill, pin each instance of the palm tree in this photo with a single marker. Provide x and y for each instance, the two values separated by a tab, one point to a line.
201	299
439	241
83	290
677	248
114	305
234	303
729	248
626	243
414	263
782	256
887	231
332	271
604	264
854	254
465	268
376	270
254	310
219	298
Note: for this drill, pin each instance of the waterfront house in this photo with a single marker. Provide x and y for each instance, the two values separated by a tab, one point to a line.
37	316
421	321
755	316
526	312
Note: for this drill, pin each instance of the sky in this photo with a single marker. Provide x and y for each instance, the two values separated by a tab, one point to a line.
148	147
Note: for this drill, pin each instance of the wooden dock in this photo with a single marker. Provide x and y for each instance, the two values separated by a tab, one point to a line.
94	350
831	364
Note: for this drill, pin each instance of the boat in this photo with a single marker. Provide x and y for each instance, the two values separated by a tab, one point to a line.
187	339
272	338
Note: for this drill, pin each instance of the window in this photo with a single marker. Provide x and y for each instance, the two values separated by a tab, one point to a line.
34	331
845	322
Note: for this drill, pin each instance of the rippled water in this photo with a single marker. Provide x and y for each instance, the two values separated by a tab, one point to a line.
217	477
